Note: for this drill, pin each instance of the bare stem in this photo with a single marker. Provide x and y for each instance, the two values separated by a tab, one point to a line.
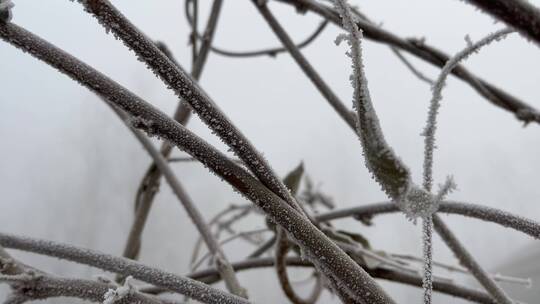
306	67
322	250
467	261
424	51
170	281
150	182
188	89
480	212
226	271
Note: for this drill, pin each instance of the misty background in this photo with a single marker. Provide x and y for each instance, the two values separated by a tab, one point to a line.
69	168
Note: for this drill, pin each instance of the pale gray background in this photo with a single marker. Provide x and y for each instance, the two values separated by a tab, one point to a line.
69	168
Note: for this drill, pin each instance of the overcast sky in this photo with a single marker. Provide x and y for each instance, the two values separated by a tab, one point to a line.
69	169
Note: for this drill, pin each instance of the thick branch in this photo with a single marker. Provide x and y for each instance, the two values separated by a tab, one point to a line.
150	182
186	88
223	265
311	239
519	14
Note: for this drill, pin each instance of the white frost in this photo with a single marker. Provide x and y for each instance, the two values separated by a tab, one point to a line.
113	295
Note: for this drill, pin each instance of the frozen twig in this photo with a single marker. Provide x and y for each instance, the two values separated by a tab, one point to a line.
497	277
305	234
420	49
230	279
272	51
187	89
435	103
170	281
210	276
387	169
282	249
520	14
150	182
306	67
236	236
469	262
480	212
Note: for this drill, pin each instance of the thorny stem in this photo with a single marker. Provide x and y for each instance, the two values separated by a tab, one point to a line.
322	250
170	281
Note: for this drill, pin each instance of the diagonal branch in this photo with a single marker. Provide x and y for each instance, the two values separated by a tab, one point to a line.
422	50
306	67
468	261
170	281
223	265
150	182
519	14
480	212
186	88
319	247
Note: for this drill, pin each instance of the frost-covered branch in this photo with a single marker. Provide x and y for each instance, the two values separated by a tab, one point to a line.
150	182
211	276
304	64
480	212
435	103
282	249
187	89
519	14
422	50
271	51
467	261
387	169
223	265
169	281
322	250
28	288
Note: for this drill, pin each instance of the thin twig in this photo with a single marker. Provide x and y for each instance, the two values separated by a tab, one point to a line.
282	249
150	182
419	48
306	67
480	212
466	259
167	280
